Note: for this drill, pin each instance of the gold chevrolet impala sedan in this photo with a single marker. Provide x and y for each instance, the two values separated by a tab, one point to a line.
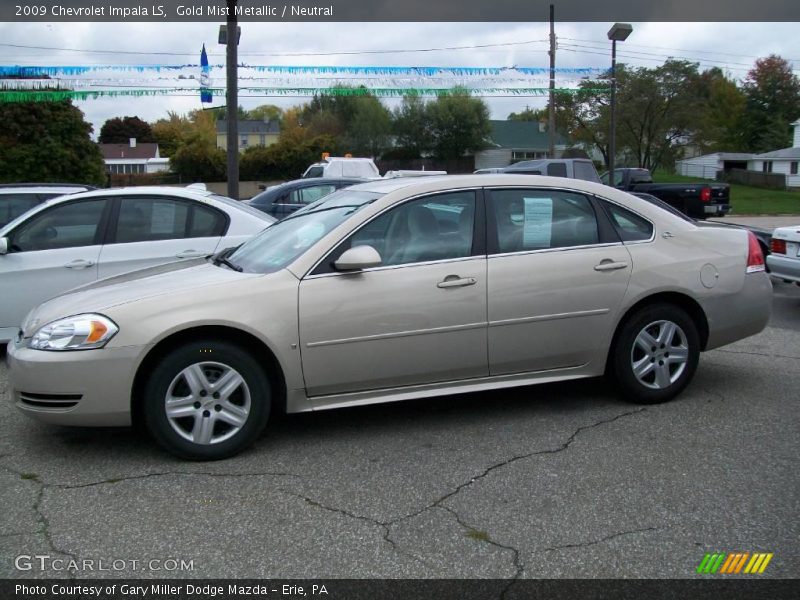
391	290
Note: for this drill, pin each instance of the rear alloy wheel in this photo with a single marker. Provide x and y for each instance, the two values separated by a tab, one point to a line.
206	401
656	354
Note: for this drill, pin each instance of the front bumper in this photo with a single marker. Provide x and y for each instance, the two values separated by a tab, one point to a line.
784	267
90	388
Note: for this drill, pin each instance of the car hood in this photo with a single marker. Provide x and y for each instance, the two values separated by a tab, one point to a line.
183	277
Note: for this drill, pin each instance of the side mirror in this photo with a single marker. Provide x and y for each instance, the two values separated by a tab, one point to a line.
357	258
3	245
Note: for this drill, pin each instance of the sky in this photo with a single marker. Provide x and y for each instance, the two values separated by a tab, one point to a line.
731	46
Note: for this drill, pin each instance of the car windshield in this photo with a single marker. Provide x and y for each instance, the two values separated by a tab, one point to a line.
277	246
245	207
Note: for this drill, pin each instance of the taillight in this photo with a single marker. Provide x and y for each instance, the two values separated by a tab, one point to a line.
777	246
705	194
755	258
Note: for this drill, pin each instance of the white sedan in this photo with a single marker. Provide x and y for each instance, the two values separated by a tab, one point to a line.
784	258
73	240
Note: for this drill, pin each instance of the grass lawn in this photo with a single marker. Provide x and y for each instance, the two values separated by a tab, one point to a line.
747	200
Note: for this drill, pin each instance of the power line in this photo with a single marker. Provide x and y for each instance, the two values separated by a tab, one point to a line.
711	52
341	53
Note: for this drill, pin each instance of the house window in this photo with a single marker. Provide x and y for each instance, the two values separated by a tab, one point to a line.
243	143
793	168
766	166
262	139
517	155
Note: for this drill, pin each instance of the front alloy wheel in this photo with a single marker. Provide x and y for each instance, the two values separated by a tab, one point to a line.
206	400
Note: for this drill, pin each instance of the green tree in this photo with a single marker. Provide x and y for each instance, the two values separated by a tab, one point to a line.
411	125
369	129
169	133
197	160
265	112
773	103
48	142
530	114
459	124
722	113
121	130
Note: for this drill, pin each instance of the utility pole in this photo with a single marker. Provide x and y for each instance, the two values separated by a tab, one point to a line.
551	126
232	73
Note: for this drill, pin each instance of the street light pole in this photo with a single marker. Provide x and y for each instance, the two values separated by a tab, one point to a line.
619	32
232	84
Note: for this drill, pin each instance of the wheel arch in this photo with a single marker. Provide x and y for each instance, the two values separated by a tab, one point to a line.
239	337
681	300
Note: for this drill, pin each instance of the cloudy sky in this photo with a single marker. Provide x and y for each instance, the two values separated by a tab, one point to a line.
731	46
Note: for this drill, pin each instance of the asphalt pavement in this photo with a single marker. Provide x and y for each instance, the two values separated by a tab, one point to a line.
548	481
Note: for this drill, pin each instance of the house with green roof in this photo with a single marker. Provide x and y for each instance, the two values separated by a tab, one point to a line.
513	141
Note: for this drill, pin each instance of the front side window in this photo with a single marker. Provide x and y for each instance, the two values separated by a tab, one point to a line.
558	169
585	171
435	227
64	226
531	219
312	194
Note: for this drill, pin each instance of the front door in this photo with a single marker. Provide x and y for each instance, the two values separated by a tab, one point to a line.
418	318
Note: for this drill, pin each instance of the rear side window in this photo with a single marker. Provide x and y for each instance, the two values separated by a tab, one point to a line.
153	219
532	219
315	172
630	226
13	205
585	171
557	169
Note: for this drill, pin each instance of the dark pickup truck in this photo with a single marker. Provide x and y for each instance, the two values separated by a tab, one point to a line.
698	200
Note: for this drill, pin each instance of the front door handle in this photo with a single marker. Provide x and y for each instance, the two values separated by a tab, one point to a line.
190	254
455	281
79	264
610	265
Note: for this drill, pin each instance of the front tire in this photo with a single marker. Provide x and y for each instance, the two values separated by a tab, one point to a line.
206	400
656	354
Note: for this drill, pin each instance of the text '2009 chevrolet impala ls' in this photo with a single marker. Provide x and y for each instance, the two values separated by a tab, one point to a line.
392	290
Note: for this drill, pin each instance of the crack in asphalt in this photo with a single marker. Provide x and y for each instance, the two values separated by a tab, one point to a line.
758	354
603	539
113	480
386	526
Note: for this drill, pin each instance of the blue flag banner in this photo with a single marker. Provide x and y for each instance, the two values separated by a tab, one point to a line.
206	95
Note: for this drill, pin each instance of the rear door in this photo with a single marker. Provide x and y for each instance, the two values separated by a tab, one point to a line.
54	250
152	230
557	274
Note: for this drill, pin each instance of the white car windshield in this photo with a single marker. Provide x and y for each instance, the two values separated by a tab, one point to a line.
278	245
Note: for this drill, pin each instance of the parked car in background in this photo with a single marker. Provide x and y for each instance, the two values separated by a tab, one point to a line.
571	168
17	198
762	235
784	260
697	200
342	166
280	201
73	240
390	290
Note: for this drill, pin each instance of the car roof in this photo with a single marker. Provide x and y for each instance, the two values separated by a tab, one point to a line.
145	190
34	188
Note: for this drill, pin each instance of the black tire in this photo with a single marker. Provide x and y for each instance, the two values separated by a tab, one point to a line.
626	352
252	397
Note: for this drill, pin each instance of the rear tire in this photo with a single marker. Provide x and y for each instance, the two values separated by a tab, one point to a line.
206	400
656	353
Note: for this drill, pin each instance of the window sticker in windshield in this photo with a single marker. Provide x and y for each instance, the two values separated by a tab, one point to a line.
537	225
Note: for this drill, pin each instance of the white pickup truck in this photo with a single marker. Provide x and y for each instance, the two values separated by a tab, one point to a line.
343	166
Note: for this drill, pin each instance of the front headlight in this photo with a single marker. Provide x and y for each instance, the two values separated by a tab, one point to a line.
81	332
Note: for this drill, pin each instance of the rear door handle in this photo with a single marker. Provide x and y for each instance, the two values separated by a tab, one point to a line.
79	263
609	265
190	254
455	281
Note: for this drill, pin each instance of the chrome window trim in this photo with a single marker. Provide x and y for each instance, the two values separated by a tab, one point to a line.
392	267
560	249
307	275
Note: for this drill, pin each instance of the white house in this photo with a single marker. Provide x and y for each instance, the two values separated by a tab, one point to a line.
708	165
784	161
133	158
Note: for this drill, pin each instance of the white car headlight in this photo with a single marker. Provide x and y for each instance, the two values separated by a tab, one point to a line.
81	332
